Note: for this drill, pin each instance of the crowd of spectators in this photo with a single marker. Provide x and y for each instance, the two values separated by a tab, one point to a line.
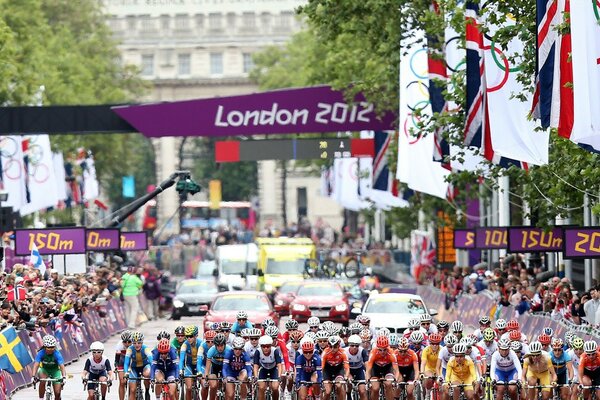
528	289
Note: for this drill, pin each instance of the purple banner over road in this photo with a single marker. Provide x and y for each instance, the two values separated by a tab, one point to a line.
527	239
301	110
50	241
102	239
132	241
581	242
464	238
491	238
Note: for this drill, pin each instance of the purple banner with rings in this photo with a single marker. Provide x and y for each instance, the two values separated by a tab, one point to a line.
102	239
133	241
491	238
581	242
464	238
50	241
310	110
528	239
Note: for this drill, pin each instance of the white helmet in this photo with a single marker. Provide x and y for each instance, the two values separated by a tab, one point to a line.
590	346
536	348
313	321
383	332
354	339
49	341
504	344
501	323
459	348
457	326
238	343
97	346
450	340
265	340
413	323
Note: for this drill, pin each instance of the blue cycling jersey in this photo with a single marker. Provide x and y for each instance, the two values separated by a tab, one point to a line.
306	367
164	362
560	363
138	359
237	328
233	365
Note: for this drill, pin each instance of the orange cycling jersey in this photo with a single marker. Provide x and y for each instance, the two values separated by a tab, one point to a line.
333	357
591	364
407	358
381	358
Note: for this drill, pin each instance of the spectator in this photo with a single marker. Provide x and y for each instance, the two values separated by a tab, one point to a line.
131	284
152	293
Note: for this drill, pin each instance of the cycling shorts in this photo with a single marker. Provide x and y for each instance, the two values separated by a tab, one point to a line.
562	378
216	369
170	374
593	375
407	373
358	374
94	377
51	373
331	372
506	376
381	371
271	373
190	370
138	372
542	377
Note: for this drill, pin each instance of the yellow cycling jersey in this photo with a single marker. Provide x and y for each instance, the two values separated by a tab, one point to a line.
464	373
430	358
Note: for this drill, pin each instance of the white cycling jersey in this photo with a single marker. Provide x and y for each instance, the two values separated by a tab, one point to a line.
575	361
489	350
508	363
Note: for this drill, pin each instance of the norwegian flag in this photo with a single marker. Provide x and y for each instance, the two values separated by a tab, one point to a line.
553	102
477	126
381	172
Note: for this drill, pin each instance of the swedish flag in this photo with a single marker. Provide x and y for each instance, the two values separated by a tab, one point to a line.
14	355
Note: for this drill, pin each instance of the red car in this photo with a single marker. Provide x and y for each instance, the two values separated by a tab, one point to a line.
323	299
284	296
227	304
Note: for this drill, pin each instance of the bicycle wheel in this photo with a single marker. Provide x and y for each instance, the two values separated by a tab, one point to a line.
351	268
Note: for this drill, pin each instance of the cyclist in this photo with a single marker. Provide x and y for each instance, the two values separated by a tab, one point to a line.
443	327
366	337
191	354
268	364
335	366
589	368
96	368
457	329
500	327
214	363
416	343
357	358
313	324
484	323
537	367
225	329
322	342
505	367
308	369
120	351
429	359
165	367
138	359
241	323
179	338
408	365
413	326
291	325
427	325
236	366
445	355
293	348
278	342
545	340
365	321
562	366
252	344
488	344
382	366
344	334
207	343
460	371
517	347
49	364
575	352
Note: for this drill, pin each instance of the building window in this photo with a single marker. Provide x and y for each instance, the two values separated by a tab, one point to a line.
148	64
131	23
147	23
215	20
216	63
302	202
184	64
231	17
165	22
182	22
284	20
249	20
200	20
248	62
265	19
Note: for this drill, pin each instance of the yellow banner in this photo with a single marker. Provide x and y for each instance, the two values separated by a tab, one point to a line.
214	193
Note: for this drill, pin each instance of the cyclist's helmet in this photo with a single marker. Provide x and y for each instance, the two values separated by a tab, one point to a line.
126	336
363	319
310	335
394	339
191	330
355	328
382	342
457	326
308	346
557	343
163	335
254	332
516	346
569	336
225	326
403	343
484	320
265	340
512	325
268	322
501	324
97	346
504	344
416	337
548	331
241	315
435	338
355	340
425	318
245	333
163	346
238	343
334	331
344	332
414	323
544	339
514	335
450	340
210	335
296	335
459	348
291	324
215	326
313	321
180	330
489	334
535	348
334	340
137	336
577	343
383	332
443	324
219	339
590	347
466	341
328	326
272	331
322	335
365	335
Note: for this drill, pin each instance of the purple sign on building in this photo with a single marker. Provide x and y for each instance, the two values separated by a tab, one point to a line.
132	241
50	241
464	238
287	111
581	242
491	238
528	239
102	239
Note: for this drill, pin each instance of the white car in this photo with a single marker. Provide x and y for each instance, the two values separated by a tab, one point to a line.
394	310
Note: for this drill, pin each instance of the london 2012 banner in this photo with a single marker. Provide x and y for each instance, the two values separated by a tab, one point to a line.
287	111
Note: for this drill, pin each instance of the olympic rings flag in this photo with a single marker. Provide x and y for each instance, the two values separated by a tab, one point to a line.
513	134
11	157
416	167
585	57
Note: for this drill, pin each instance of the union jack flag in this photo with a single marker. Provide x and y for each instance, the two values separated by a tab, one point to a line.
381	172
553	102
